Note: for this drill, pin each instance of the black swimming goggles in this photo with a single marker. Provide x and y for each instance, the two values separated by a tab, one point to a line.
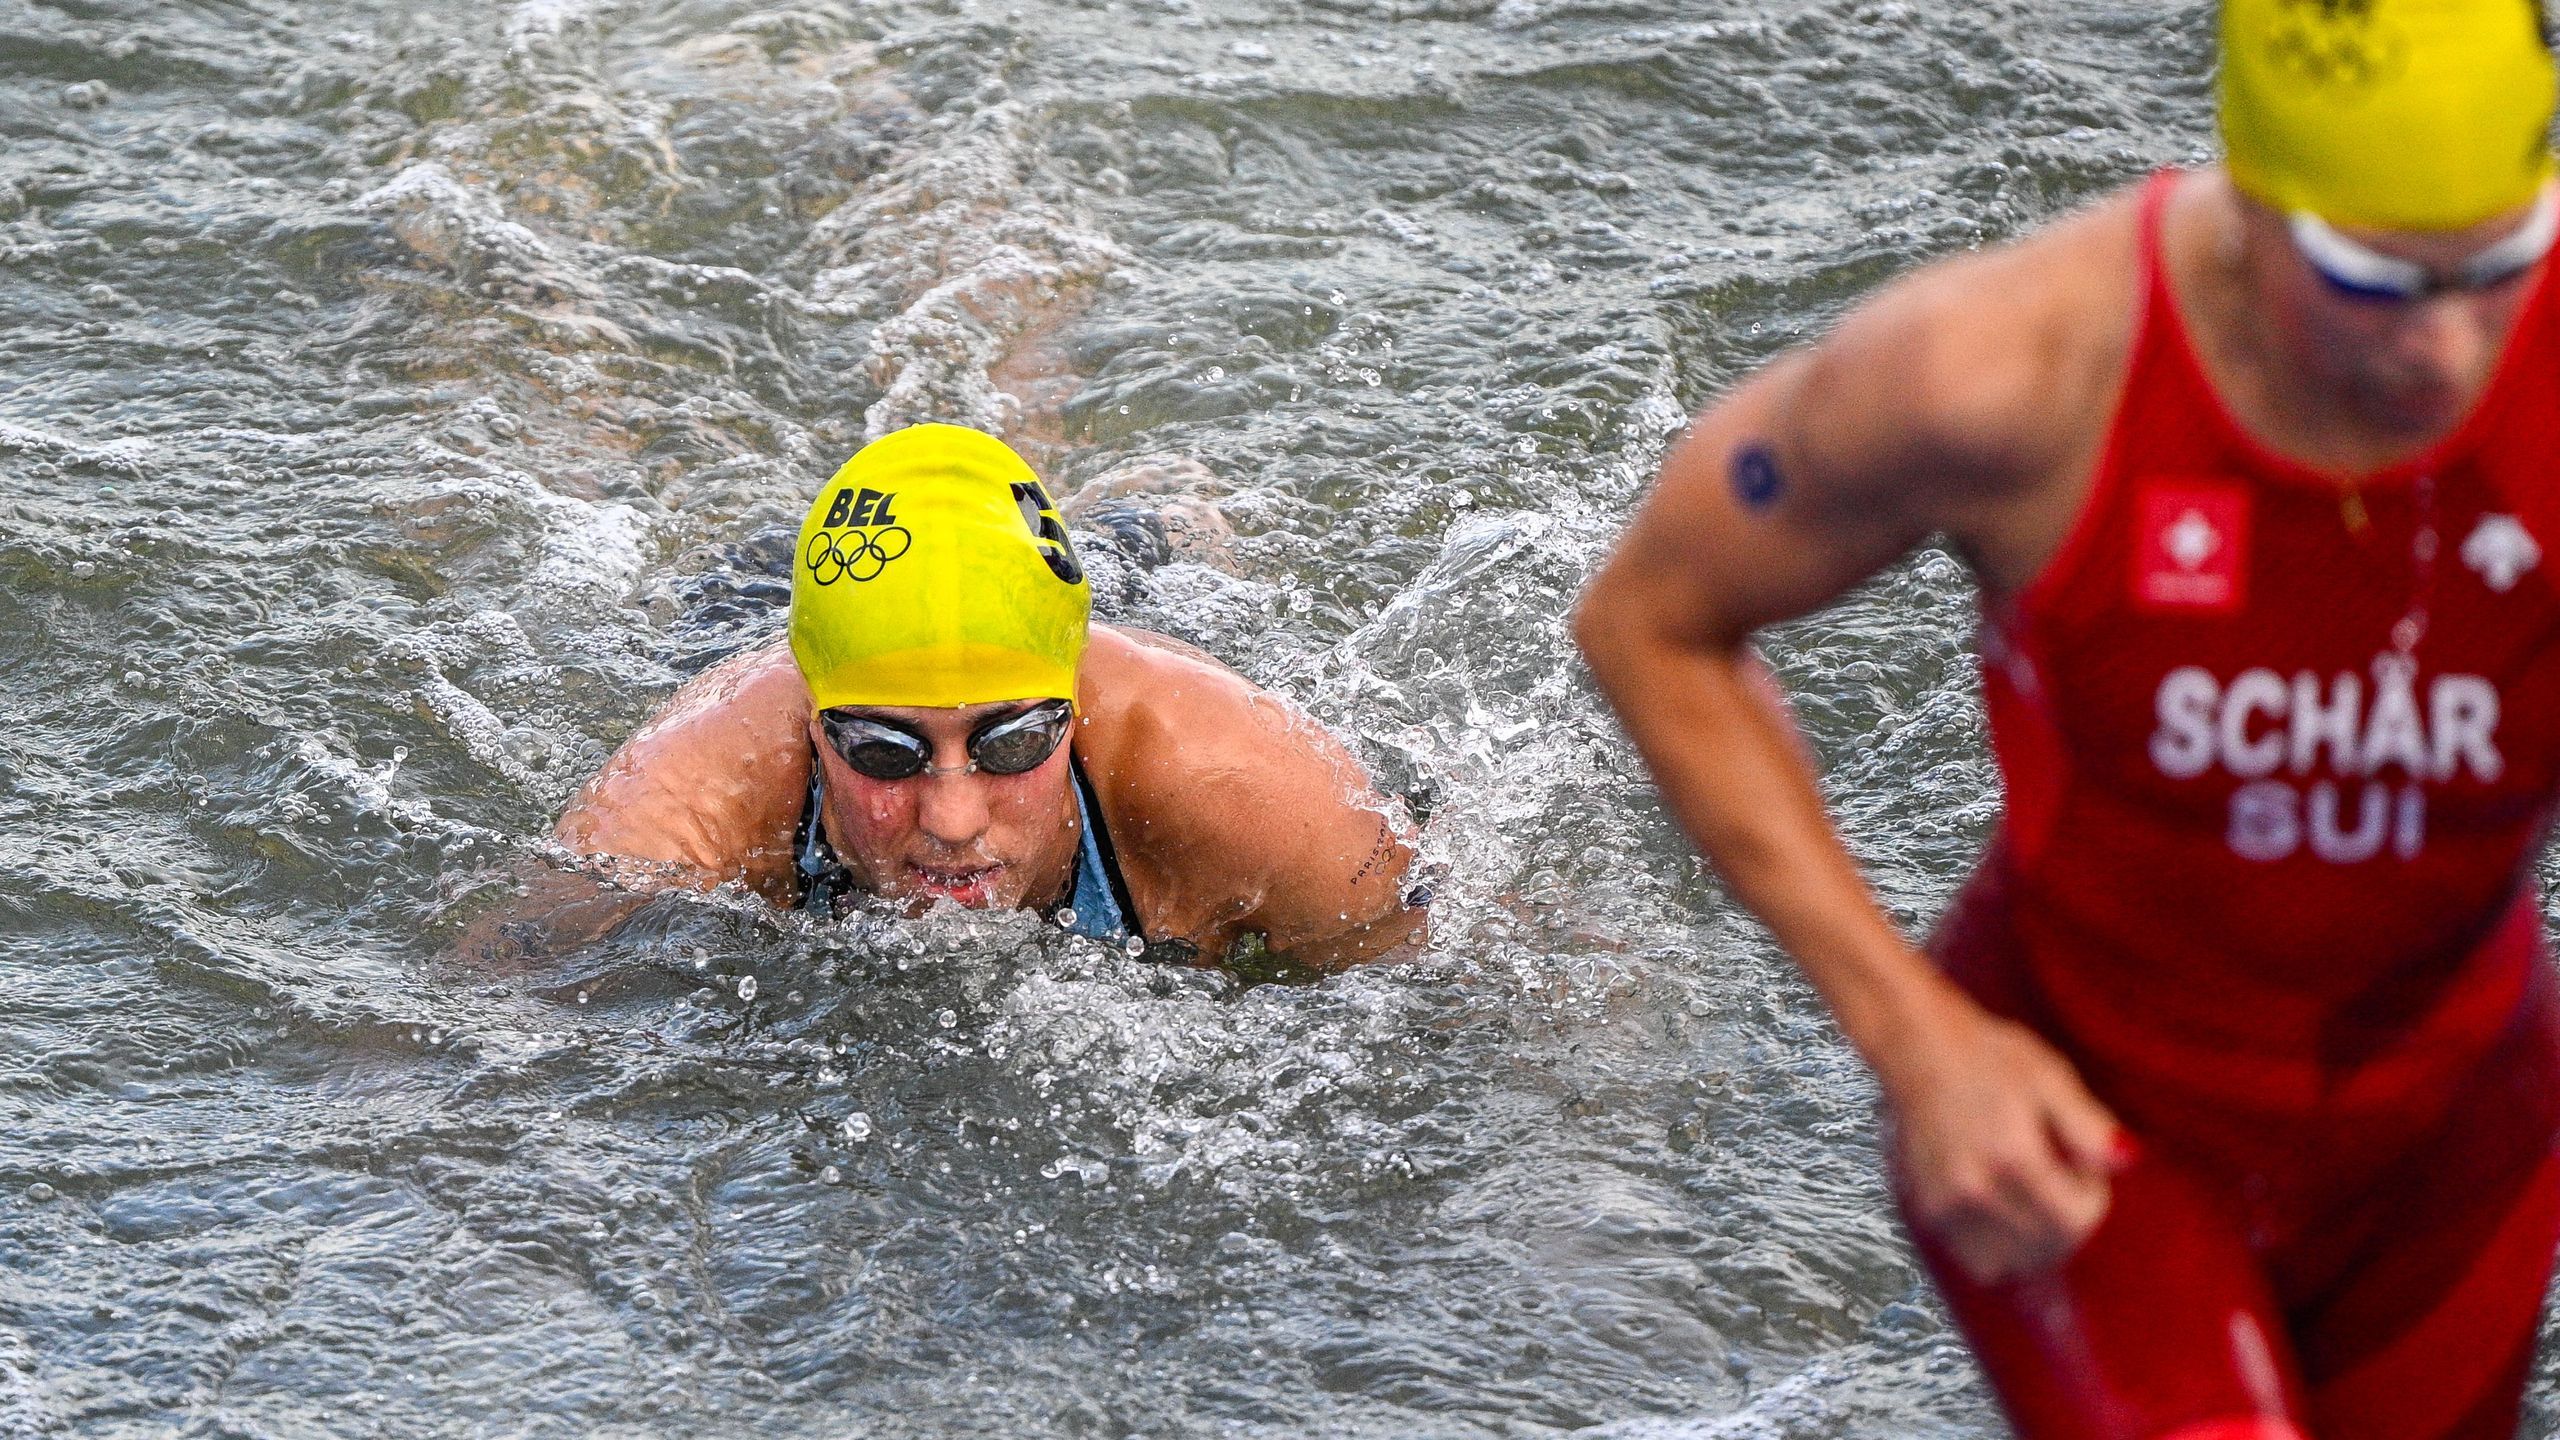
1006	745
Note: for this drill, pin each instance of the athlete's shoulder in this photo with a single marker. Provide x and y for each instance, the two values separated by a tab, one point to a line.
710	778
1183	743
1989	368
1234	810
1151	710
755	692
1113	646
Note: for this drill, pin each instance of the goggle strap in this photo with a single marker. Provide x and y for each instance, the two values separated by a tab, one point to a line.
2350	266
2521	250
2344	263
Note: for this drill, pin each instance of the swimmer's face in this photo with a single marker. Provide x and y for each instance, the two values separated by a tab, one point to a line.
2411	366
981	840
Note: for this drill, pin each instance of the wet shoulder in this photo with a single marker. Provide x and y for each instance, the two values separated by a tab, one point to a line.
756	698
1999	367
712	778
1172	739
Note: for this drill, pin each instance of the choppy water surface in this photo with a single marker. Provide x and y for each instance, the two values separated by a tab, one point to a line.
393	409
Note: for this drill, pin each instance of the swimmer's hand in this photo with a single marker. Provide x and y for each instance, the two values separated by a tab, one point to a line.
2004	1158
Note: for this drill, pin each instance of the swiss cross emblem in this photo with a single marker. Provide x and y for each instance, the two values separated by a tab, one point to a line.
2191	546
2500	550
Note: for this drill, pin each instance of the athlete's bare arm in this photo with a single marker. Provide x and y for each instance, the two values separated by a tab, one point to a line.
673	808
1235	813
709	790
1966	400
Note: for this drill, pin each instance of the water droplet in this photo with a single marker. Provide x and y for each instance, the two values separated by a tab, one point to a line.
746	987
1067	918
832	1175
947	1018
1134	945
40	1192
856	1126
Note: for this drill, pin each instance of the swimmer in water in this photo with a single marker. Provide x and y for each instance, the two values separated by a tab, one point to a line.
2227	1110
946	723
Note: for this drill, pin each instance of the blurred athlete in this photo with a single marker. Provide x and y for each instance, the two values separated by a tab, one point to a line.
946	723
2227	1112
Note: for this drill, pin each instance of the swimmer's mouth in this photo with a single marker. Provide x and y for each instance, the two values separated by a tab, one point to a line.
972	886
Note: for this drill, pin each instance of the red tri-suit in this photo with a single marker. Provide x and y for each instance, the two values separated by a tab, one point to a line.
2280	756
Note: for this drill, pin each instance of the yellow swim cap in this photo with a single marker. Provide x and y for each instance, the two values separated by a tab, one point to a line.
933	570
2387	114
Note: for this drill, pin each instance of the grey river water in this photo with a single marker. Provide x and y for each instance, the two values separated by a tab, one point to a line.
398	400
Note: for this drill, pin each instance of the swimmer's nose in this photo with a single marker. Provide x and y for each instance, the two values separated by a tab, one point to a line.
2451	340
952	810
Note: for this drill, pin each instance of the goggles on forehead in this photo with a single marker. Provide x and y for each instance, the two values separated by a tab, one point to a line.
1006	745
2362	273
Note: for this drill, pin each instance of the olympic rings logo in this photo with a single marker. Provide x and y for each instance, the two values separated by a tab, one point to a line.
855	556
2336	44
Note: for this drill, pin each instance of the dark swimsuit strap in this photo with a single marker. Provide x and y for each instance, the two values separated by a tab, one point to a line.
1098	836
822	875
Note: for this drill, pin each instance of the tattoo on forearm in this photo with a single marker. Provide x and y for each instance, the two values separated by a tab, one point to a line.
1377	853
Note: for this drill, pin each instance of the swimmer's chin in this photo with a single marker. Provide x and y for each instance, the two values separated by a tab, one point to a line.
2415	406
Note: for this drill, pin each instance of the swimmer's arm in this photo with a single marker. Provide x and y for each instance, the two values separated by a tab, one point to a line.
709	790
1665	627
1335	855
1342	896
1808	479
1281	834
551	912
687	803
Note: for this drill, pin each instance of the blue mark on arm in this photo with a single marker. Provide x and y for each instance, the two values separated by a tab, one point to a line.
1756	481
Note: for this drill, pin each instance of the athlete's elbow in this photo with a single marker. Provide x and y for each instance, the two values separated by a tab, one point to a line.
1621	628
1600	624
1396	937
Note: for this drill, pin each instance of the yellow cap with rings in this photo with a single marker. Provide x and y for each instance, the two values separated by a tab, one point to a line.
2387	114
933	570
